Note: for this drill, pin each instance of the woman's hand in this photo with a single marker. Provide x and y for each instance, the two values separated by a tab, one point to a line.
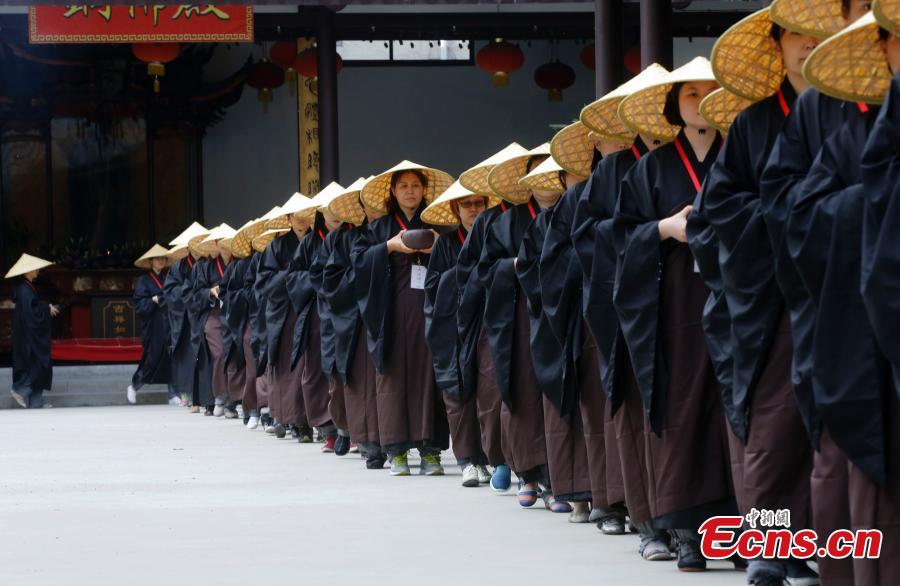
675	226
155	299
395	244
214	291
54	311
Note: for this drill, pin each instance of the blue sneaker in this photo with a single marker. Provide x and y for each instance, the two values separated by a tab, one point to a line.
500	480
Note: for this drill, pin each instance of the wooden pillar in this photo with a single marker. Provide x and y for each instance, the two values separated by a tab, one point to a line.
656	33
608	53
328	104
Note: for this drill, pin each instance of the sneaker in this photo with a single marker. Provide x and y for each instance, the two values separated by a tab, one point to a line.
219	410
268	423
580	515
469	476
253	423
239	409
341	445
431	466
689	557
19	399
328	448
185	401
354	449
400	465
484	475
800	574
231	413
304	434
131	395
375	462
500	480
611	526
208	412
279	431
654	549
175	402
194	409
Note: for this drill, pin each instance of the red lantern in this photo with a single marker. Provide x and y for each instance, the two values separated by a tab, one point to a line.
500	58
554	77
283	54
156	55
633	60
307	63
265	76
588	57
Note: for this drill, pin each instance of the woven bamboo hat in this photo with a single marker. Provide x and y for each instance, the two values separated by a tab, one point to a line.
475	179
192	231
745	61
573	149
242	244
504	178
440	212
177	252
263	240
346	207
156	251
324	198
642	111
26	264
221	232
887	13
376	191
229	242
817	18
600	116
296	204
851	65
544	177
721	107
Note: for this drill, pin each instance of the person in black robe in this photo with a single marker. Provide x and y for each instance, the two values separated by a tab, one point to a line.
149	302
32	364
285	397
441	307
177	289
236	308
659	298
256	390
410	413
775	455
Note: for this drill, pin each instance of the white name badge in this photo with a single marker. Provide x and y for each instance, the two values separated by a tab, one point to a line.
417	278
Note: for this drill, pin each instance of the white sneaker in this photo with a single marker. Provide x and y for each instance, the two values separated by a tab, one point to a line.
484	476
175	402
470	476
253	423
19	399
131	394
219	410
240	411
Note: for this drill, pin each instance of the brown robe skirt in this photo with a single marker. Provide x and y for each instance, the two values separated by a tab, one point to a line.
359	394
522	426
607	487
487	398
406	392
567	456
285	398
313	382
689	464
628	422
464	428
227	380
249	397
337	406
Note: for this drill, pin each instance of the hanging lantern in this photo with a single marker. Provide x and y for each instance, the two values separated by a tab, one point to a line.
633	60
500	58
283	54
588	57
156	55
307	63
554	77
265	76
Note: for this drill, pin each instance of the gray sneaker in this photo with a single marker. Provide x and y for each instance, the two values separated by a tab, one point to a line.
431	466
654	549
400	465
469	476
19	399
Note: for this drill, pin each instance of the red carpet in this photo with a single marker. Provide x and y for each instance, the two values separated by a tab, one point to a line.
97	350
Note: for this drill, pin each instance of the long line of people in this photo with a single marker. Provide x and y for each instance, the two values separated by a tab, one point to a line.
684	305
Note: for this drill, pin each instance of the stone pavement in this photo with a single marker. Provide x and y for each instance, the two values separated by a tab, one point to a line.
154	495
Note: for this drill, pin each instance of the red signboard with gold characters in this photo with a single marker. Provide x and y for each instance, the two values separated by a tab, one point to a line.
159	23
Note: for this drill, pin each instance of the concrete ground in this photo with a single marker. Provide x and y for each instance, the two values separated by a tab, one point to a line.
154	495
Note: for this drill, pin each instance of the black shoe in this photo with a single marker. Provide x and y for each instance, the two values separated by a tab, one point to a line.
305	434
689	557
279	431
295	432
375	463
740	564
341	445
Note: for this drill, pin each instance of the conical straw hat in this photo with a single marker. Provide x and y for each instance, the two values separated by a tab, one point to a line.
744	59
817	18
346	207
324	198
851	65
26	264
242	244
377	190
643	110
439	212
177	252
192	231
475	179
504	177
600	116
721	107
545	177
573	149
887	13
263	240
221	232
296	204
229	242
157	251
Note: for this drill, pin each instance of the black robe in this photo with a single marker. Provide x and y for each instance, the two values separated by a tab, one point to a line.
32	365
236	308
178	289
271	285
824	238
595	250
657	187
441	305
206	276
814	117
337	284
327	333
731	205
881	227
471	295
372	282
301	291
155	366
